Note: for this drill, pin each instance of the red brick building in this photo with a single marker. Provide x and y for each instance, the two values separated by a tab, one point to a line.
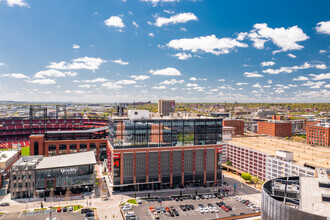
318	134
275	128
237	124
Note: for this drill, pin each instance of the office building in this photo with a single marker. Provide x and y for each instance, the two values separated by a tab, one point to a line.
165	107
38	176
275	128
237	124
72	171
22	177
164	153
318	134
67	142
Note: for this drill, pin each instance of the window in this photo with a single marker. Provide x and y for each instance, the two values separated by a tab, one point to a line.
23	177
14	177
26	185
14	185
20	185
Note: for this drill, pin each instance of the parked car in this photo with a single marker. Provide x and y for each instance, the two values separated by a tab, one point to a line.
224	208
83	211
89	214
65	209
70	208
4	204
201	210
183	208
206	210
192	207
59	209
167	209
187	207
138	200
158	209
171	214
152	209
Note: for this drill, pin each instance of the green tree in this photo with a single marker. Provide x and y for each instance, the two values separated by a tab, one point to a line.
228	163
254	179
246	176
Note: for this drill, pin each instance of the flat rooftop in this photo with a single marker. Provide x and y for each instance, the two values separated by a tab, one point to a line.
311	196
67	160
302	153
7	155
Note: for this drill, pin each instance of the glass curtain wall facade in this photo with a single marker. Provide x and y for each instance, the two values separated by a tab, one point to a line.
164	133
75	178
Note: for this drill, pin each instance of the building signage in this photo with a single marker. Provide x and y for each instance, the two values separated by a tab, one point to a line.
69	171
116	165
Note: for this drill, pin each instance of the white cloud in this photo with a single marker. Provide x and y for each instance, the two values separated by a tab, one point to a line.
322	51
172	82
193	78
306	65
285	39
291	55
169	71
267	63
159	87
126	82
15	75
42	81
111	85
2	64
269	81
75	46
95	80
175	19
85	86
77	92
321	76
221	80
257	85
140	77
114	21
320	66
300	78
20	3
254	74
89	63
279	91
155	2
183	29
168	12
241	83
120	62
293	86
54	73
135	24
208	44
183	56
192	85
314	85
327	86
151	34
323	27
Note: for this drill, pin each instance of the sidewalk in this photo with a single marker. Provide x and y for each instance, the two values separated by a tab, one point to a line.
239	178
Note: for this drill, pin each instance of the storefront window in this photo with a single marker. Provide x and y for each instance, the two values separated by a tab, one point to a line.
52	150
62	149
73	148
83	147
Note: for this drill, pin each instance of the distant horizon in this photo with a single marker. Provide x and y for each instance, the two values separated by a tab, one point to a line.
156	102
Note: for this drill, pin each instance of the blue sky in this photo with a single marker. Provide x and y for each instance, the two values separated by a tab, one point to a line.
192	51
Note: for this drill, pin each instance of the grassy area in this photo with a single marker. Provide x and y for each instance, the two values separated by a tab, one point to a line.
40	209
25	151
76	207
24	210
132	201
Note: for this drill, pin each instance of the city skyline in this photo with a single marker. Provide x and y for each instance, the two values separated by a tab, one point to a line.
190	51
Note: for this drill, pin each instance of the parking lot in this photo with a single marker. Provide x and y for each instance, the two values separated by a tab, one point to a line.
143	212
